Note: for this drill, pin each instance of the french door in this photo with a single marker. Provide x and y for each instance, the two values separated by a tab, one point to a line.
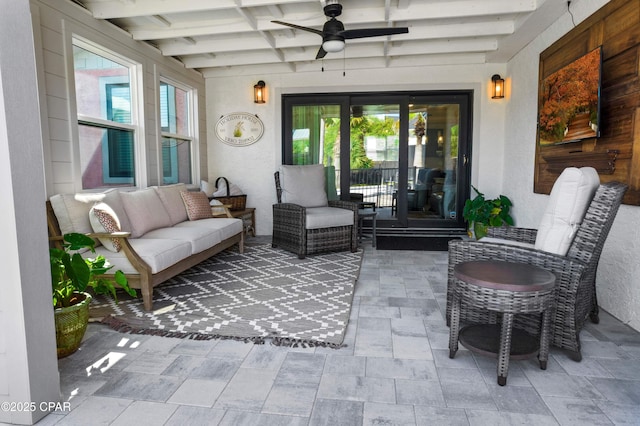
404	154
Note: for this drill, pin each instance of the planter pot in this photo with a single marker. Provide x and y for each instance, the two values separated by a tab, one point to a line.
71	324
477	230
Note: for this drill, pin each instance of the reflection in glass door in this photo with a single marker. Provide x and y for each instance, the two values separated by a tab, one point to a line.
375	152
402	154
316	140
432	161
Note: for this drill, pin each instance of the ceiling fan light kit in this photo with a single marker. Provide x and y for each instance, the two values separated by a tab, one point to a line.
333	32
333	46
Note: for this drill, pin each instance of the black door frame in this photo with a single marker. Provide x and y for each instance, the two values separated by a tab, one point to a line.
464	98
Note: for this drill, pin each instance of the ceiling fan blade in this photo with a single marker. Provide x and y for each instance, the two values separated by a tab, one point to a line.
321	53
373	32
299	27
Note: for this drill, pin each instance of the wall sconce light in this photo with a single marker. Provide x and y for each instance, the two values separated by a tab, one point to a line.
498	87
259	92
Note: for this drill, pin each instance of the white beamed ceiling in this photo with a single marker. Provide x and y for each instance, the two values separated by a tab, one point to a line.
225	37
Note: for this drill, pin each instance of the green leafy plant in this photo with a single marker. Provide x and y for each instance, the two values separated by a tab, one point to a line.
72	274
482	213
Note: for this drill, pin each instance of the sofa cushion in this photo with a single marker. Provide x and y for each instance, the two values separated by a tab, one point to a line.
303	185
172	201
114	200
145	211
72	210
197	205
228	227
200	239
158	254
104	219
325	217
568	202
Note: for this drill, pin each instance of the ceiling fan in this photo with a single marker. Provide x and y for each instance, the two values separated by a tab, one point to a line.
333	33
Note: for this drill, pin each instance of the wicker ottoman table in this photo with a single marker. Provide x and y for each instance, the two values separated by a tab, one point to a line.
508	288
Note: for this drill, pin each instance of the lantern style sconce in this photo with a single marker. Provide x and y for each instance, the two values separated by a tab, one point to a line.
259	92
498	87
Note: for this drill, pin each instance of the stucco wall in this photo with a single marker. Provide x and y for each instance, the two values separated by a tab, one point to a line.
252	167
618	281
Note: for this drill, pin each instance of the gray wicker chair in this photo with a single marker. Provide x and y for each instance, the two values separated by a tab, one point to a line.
290	228
575	272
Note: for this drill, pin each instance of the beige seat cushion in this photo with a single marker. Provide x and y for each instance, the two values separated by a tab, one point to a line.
326	217
199	238
228	227
158	254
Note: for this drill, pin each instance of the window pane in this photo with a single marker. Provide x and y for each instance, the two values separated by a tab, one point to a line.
176	161
106	157
174	110
102	87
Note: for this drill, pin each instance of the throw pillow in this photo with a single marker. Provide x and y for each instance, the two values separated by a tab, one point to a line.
104	219
197	204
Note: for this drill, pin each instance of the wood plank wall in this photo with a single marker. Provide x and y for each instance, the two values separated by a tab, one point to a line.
616	27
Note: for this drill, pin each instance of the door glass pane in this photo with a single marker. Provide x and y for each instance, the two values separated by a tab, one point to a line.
374	156
433	153
316	140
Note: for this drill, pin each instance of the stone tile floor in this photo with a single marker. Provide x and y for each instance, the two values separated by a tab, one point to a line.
395	370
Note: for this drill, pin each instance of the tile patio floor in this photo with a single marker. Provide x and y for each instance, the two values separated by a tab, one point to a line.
394	370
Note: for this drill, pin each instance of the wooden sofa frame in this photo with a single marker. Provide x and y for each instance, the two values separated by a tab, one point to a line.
144	280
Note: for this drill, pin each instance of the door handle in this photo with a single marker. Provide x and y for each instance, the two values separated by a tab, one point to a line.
465	159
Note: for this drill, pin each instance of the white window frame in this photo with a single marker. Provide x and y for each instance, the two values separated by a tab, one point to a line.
190	137
136	99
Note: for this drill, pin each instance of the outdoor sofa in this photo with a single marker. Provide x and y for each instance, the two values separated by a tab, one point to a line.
150	234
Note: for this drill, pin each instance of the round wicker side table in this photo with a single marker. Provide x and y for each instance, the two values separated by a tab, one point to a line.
508	288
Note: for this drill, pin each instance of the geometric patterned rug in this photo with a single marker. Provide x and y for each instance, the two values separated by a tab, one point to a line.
264	293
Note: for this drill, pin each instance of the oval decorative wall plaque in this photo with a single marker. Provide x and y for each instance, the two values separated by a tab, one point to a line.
239	128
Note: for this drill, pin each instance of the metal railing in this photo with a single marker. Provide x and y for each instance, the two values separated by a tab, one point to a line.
376	184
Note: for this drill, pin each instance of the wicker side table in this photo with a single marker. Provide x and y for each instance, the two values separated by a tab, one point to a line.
508	288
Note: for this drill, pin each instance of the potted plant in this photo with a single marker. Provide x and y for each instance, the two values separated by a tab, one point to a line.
71	275
481	213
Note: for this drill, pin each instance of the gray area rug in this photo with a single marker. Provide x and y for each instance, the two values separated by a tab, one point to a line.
264	293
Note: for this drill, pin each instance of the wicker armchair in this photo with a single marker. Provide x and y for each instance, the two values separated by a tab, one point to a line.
293	228
575	272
